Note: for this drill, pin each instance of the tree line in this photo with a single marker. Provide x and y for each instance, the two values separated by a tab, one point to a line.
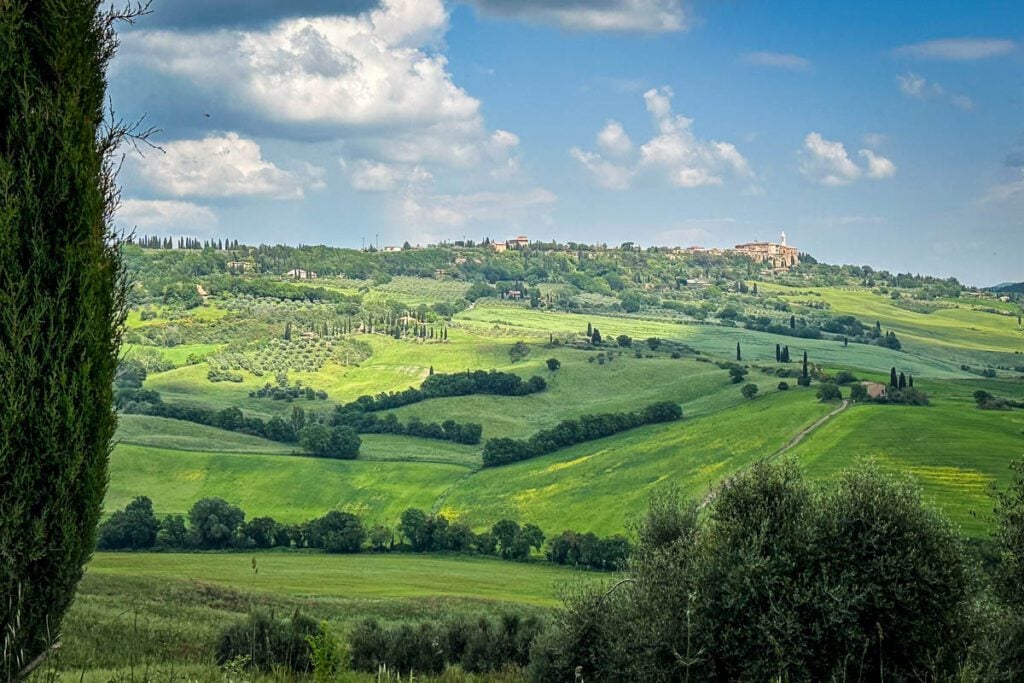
503	450
215	524
448	385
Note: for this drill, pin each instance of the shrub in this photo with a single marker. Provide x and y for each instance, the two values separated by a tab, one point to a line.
737	373
553	364
749	391
134	528
829	392
269	642
783	386
803	380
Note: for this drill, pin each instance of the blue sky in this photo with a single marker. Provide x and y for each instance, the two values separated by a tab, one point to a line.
883	133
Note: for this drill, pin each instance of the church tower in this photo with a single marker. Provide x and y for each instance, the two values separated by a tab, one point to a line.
782	238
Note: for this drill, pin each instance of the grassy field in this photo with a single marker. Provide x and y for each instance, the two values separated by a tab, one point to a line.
954	451
603	485
160	432
361	577
964	328
164	611
287	488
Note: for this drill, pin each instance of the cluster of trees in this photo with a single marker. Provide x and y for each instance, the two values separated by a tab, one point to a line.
215	524
588	550
369	423
988	401
446	385
285	392
502	451
784	580
476	646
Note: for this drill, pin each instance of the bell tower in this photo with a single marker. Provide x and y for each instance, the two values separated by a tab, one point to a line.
782	238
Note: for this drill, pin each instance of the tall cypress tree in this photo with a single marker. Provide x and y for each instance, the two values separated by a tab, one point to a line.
902	381
894	381
805	364
62	298
778	353
739	354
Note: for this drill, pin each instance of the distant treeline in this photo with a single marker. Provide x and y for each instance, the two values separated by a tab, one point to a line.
503	451
232	419
448	385
215	524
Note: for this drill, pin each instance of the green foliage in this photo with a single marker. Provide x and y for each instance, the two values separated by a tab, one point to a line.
858	392
829	392
327	658
214	523
519	351
62	294
339	441
134	528
853	581
737	374
553	364
749	391
268	642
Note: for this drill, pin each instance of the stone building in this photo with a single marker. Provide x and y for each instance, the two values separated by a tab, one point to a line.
779	255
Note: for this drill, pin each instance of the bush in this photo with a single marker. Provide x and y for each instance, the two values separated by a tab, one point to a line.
268	642
829	392
737	373
553	364
853	582
214	522
803	380
783	386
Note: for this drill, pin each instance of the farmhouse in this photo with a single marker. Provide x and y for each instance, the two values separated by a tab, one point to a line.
779	255
239	266
875	389
519	242
499	247
300	274
390	249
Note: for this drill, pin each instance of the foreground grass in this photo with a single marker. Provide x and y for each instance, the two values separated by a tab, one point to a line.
156	616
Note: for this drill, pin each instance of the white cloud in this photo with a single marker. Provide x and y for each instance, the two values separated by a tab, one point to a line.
874	139
224	166
330	71
646	16
480	207
613	139
605	173
687	160
165	215
375	176
674	154
958	49
777	60
826	162
878	166
920	88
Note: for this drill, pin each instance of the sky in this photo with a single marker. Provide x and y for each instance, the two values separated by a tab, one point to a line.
880	133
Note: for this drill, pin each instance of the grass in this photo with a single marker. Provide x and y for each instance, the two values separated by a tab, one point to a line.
365	576
717	341
602	485
954	451
287	488
156	616
164	433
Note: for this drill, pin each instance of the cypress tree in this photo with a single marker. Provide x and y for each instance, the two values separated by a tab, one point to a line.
62	304
590	330
893	379
846	342
792	322
910	381
903	381
739	354
805	364
778	353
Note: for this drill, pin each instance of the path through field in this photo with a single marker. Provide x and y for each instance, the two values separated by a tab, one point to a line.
792	443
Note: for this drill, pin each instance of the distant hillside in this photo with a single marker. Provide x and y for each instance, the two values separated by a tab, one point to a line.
1017	287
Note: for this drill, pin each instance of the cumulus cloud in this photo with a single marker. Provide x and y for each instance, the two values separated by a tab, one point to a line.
878	166
613	139
827	162
674	154
222	166
457	210
647	16
165	215
332	73
605	173
375	176
958	49
777	60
